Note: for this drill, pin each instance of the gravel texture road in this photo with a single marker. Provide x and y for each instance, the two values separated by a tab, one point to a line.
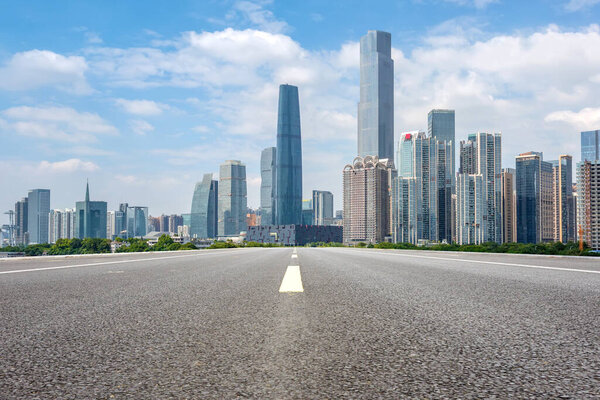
369	324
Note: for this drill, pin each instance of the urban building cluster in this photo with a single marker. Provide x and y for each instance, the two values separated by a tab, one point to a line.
416	193
421	196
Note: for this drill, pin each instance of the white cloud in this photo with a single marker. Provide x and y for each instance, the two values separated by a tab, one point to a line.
140	127
254	13
585	119
479	4
38	68
93	38
142	107
576	5
56	123
68	166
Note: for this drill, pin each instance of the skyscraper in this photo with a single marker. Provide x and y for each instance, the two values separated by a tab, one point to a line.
441	125
90	217
322	205
204	213
232	198
288	199
509	207
588	202
471	221
268	181
367	206
376	106
136	221
38	207
590	146
563	200
54	225
535	203
481	155
21	215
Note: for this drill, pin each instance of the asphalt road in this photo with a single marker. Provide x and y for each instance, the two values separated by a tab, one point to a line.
360	324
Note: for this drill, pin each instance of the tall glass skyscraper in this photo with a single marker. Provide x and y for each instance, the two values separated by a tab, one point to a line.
204	214
90	218
288	199
590	146
376	106
441	125
137	221
38	210
232	198
268	180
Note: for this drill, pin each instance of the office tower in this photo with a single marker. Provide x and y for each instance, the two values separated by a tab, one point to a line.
288	186
535	202
232	198
588	202
153	224
38	210
376	106
590	146
563	200
90	217
204	213
322	205
21	215
481	155
163	223
175	221
470	209
68	223
268	180
307	212
54	225
441	125
509	207
421	195
367	205
137	221
110	224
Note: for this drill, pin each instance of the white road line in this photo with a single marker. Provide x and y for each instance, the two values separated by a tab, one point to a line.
292	281
294	255
493	263
102	263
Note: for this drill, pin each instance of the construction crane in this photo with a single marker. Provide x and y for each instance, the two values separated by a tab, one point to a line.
11	227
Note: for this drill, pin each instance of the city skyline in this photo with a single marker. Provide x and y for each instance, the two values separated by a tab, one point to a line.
140	138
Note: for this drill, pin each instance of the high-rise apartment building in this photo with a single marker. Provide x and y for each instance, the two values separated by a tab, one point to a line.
54	225
68	223
232	198
38	210
322	206
588	202
376	106
163	223
509	206
535	200
110	224
367	205
268	181
421	194
481	155
90	218
471	222
563	200
21	215
590	146
175	221
205	209
288	187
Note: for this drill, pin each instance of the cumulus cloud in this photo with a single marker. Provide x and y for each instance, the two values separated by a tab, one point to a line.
140	127
56	123
39	68
585	119
141	107
254	13
67	166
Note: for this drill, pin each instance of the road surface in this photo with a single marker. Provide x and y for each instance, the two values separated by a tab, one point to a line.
312	323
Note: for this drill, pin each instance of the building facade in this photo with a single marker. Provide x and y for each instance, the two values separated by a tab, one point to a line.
21	216
322	206
590	146
588	202
268	181
232	197
441	124
471	209
563	200
367	200
136	221
509	208
288	187
204	215
38	211
376	106
90	218
535	200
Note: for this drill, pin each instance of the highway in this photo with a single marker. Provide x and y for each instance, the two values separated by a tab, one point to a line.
308	323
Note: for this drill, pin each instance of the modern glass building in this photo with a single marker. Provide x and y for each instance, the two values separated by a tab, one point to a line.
90	218
322	205
563	200
288	198
232	197
590	146
534	188
376	106
21	216
268	176
38	210
204	213
137	221
441	126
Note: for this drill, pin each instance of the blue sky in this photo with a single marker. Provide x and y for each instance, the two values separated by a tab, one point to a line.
143	98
